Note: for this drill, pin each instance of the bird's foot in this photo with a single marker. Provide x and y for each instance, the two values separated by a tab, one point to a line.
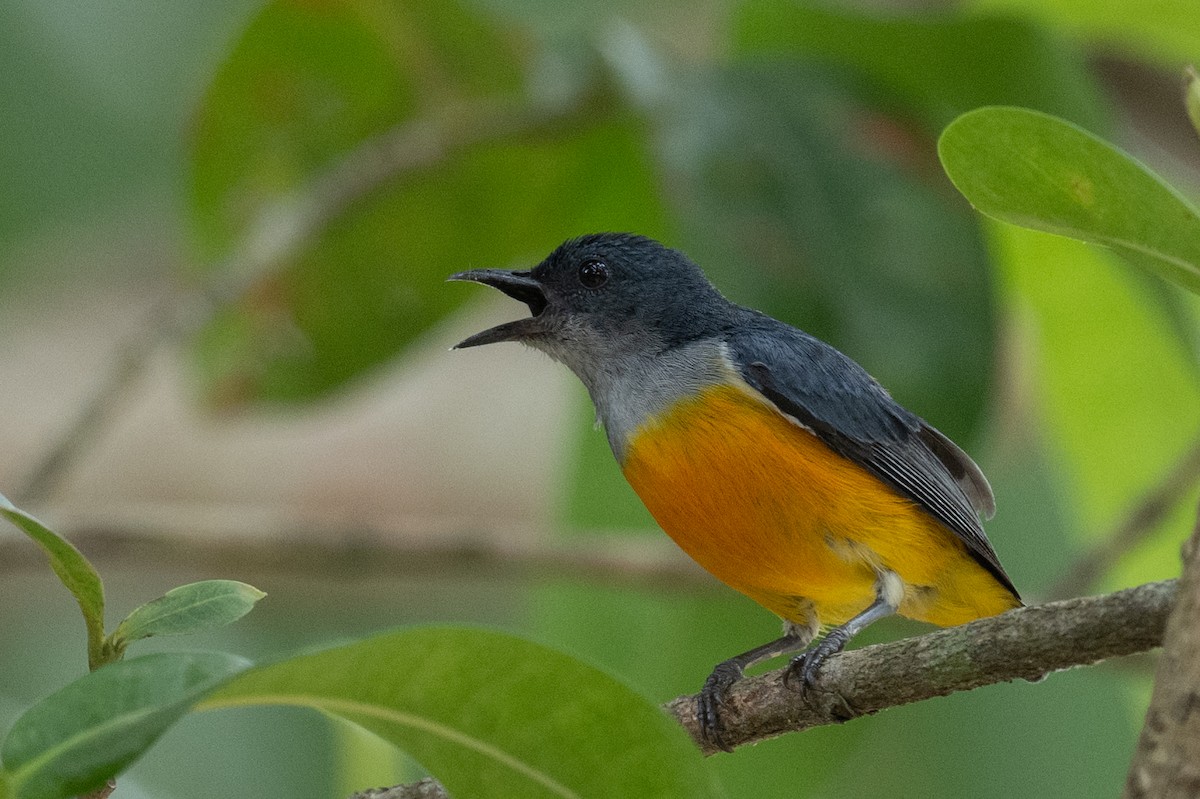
802	672
712	696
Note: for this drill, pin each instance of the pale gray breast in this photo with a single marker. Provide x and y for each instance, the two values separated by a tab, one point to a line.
635	389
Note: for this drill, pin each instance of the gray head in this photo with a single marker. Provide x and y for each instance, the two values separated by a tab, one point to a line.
604	299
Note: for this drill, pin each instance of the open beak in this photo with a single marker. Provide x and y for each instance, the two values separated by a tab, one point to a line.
518	285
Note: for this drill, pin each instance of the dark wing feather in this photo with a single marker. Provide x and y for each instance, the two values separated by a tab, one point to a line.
846	408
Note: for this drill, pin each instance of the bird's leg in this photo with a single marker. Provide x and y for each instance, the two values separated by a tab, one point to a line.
889	590
727	672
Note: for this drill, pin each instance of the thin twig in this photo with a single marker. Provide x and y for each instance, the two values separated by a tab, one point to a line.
99	410
286	226
1026	644
1140	522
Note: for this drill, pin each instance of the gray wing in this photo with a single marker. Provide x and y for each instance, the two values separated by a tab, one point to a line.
847	409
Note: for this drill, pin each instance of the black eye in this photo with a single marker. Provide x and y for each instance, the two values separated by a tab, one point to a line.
593	273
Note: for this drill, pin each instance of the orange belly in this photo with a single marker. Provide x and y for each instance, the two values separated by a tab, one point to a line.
771	511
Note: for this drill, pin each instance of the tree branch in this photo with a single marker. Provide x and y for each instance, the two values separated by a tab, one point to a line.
238	548
1027	644
288	225
427	788
1166	763
285	226
98	411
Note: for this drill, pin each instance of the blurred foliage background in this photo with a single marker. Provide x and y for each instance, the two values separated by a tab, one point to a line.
224	229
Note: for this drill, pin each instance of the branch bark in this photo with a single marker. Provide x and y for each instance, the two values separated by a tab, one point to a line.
427	788
1027	644
1166	763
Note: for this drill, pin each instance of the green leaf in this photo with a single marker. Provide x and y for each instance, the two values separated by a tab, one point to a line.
490	715
1037	171
189	609
76	573
1116	396
799	201
939	64
311	88
89	731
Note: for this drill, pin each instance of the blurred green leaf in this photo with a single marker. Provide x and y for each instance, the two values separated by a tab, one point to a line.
1034	170
940	64
798	200
1163	30
304	87
76	573
1180	311
1115	392
312	88
307	82
189	609
490	715
89	731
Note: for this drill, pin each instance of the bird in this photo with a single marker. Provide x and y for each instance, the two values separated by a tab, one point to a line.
772	459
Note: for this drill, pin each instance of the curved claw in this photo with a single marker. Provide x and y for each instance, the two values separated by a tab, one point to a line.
806	665
794	672
712	696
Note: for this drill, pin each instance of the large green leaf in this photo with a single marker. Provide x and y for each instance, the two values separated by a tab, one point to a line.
76	573
939	64
1116	395
1040	172
313	87
490	715
77	738
189	608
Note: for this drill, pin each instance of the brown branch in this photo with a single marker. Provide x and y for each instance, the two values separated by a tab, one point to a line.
1027	644
1166	762
422	789
324	550
1142	520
